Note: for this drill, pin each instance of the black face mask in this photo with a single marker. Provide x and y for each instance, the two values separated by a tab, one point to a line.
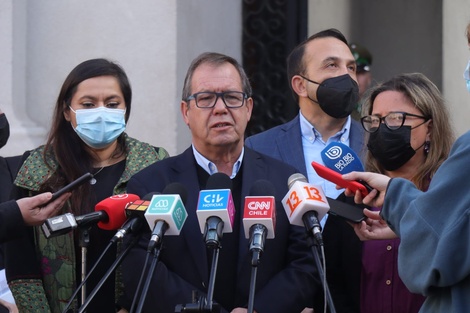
391	148
4	130
337	96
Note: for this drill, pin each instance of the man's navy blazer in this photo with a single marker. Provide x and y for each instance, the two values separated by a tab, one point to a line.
343	250
286	277
284	142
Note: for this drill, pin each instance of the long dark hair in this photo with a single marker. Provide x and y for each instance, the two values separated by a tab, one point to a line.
73	156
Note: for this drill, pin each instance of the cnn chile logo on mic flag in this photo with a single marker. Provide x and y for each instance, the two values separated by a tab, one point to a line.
260	210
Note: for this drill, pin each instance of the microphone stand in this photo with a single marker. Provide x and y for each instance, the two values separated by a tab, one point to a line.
86	278
156	253
84	241
113	267
310	220
258	237
212	237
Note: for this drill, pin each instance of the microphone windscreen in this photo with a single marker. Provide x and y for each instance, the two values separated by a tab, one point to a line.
341	158
295	178
149	196
176	189
114	207
219	181
262	187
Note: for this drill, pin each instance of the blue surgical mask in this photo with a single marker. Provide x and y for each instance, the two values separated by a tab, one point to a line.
99	127
466	75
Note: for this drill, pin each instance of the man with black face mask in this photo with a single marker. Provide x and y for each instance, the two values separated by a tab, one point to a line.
322	75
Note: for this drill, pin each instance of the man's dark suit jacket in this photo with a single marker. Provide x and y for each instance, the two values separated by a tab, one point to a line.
343	250
286	277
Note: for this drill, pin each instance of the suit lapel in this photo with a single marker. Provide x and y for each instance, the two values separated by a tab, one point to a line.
253	168
290	147
187	175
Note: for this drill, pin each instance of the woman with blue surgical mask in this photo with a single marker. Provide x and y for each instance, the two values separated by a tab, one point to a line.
87	135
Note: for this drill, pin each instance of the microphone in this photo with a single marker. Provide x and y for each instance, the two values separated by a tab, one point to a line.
215	208
135	217
259	214
305	205
166	213
109	214
341	158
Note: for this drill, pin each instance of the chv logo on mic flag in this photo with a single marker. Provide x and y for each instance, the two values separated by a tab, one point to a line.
167	205
216	202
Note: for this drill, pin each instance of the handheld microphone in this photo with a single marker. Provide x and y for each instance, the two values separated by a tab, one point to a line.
166	213
109	214
305	204
342	159
259	214
215	208
135	217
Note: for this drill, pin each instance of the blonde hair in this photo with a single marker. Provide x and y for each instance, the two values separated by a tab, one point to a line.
427	98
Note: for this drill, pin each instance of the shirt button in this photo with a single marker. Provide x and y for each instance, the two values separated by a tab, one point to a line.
388	281
389	247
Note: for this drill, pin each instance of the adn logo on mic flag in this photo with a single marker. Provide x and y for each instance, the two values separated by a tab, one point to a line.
216	202
169	208
260	210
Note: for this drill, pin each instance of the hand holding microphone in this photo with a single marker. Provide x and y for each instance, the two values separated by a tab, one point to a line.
341	159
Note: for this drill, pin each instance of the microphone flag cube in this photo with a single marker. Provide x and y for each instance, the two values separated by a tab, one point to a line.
303	197
260	210
216	202
169	208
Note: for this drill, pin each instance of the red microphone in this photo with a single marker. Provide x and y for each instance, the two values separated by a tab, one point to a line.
109	214
112	211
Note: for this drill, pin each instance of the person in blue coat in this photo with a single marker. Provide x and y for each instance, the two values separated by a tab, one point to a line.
433	226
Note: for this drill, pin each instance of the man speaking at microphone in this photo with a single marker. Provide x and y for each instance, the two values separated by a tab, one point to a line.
217	105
